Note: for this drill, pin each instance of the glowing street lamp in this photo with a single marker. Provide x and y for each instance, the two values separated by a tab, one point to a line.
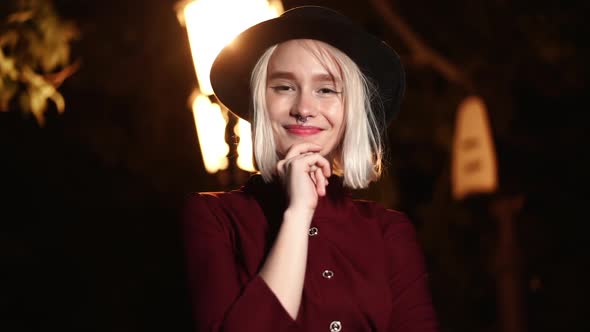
244	132
211	132
212	24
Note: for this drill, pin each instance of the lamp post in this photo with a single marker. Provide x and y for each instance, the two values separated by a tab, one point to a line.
475	173
210	25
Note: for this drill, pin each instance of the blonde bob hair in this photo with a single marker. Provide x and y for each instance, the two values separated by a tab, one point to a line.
359	155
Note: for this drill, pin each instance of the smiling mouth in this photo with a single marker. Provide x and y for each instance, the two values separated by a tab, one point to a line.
303	130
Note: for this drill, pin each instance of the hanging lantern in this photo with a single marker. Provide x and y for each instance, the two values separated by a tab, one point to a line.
474	166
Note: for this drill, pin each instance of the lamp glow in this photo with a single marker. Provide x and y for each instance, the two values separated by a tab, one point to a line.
243	130
474	167
212	24
210	125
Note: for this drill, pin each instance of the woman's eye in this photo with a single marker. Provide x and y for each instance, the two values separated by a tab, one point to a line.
324	91
282	88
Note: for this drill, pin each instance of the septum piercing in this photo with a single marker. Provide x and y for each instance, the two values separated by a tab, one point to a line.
301	119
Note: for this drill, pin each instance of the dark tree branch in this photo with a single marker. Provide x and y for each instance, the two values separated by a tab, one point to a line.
422	54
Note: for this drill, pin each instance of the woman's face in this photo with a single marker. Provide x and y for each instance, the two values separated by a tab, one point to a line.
298	87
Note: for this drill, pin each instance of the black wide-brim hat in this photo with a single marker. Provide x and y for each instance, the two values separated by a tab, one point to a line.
231	70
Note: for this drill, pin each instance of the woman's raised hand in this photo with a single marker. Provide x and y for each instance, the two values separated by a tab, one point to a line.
304	172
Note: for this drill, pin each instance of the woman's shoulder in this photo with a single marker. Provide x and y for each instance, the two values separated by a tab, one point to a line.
217	212
217	199
390	220
376	209
211	197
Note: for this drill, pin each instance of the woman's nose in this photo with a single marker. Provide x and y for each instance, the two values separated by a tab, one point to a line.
304	105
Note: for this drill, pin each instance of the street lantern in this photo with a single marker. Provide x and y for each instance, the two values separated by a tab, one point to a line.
210	25
210	123
244	132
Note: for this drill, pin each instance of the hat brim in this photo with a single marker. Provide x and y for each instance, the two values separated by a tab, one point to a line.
231	70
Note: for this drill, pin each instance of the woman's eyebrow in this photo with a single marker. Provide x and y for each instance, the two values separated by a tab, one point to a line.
281	74
323	77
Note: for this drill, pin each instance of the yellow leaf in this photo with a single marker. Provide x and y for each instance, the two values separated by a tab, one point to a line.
20	17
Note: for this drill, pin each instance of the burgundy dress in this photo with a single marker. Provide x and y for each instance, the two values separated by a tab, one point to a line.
365	270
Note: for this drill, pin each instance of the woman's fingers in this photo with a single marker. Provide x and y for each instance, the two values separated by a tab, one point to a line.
308	163
316	162
321	182
311	163
315	180
305	177
318	169
295	151
304	172
302	148
281	168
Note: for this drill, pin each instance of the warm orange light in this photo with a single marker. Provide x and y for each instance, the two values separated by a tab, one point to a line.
474	167
243	130
211	124
212	24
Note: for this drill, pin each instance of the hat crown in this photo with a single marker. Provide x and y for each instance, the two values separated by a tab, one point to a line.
315	12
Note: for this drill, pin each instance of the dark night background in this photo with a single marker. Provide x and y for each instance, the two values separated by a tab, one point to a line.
90	203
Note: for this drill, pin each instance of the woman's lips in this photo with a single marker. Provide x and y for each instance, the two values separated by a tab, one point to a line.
303	130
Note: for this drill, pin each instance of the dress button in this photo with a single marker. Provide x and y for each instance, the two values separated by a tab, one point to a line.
335	326
328	274
313	231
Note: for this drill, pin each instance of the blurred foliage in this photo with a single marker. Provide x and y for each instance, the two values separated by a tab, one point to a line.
34	56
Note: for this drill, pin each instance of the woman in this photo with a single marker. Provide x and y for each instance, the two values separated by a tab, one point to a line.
291	250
